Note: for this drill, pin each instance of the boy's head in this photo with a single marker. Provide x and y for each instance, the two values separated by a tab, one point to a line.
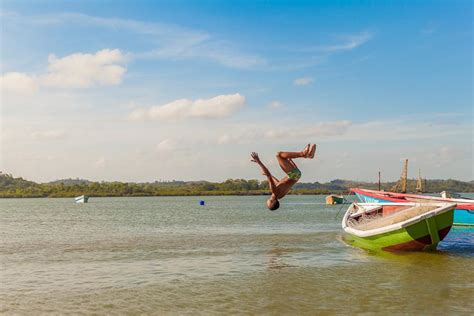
272	203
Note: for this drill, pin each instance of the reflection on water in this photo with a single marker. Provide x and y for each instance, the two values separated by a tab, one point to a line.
168	255
276	258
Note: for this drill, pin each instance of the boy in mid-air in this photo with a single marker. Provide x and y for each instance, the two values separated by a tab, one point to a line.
280	188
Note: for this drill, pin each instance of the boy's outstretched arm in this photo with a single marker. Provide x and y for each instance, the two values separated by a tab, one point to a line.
271	181
275	180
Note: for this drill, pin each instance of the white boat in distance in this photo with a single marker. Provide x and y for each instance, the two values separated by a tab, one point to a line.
81	199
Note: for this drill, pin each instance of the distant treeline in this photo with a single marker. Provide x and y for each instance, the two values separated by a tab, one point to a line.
11	187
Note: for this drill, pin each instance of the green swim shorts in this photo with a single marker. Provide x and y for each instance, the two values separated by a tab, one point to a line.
294	174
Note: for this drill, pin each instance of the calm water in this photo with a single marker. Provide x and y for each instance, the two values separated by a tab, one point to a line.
170	255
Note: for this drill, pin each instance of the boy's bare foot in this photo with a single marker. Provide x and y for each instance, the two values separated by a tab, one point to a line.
306	151
312	151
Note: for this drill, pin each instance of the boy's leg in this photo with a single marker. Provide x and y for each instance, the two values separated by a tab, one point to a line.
295	154
285	164
285	158
293	163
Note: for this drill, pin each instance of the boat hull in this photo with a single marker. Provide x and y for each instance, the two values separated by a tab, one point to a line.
81	199
372	199
462	217
416	237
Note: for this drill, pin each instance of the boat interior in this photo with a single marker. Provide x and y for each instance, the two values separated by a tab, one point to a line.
384	215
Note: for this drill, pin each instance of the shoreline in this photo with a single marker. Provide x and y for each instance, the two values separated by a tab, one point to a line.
184	195
162	195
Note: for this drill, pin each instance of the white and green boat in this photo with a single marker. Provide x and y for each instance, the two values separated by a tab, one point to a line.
81	199
398	226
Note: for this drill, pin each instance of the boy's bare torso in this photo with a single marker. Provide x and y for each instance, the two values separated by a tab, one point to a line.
283	187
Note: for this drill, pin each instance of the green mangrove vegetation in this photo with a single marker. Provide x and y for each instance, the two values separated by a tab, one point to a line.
11	187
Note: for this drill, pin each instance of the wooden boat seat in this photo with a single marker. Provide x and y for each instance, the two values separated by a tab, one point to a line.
396	217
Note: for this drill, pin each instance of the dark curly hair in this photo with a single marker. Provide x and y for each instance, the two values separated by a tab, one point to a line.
274	206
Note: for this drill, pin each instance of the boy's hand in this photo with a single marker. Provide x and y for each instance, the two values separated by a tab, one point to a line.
255	157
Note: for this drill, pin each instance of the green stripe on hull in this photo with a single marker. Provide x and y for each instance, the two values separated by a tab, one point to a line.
408	234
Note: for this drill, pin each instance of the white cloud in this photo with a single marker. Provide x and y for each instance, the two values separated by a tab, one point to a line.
18	83
314	55
429	29
77	70
222	52
264	134
446	155
241	134
171	42
372	147
403	129
166	145
275	105
225	139
81	70
303	81
47	135
327	129
100	163
216	107
177	42
350	42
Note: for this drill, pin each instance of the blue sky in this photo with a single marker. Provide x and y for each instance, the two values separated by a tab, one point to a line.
146	90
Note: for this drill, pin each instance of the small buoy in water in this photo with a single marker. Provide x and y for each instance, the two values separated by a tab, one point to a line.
202	203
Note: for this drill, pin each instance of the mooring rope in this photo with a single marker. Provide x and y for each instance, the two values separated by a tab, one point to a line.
342	205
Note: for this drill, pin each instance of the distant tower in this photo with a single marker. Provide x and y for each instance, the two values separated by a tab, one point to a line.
401	185
419	184
379	180
404	177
